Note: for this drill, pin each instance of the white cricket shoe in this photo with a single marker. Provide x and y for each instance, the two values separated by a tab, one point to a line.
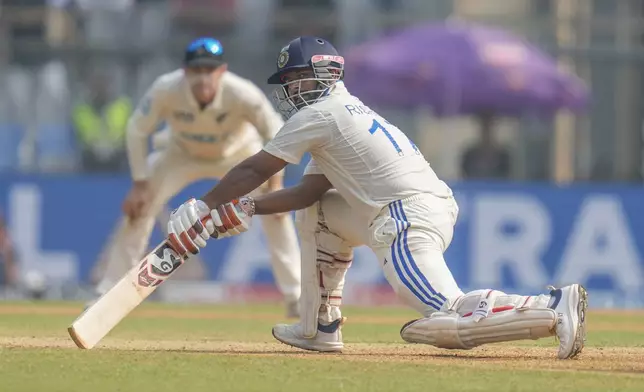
328	338
570	304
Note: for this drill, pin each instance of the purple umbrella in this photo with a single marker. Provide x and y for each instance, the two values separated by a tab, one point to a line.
461	69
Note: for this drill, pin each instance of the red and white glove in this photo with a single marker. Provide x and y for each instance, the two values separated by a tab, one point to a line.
193	223
189	227
233	218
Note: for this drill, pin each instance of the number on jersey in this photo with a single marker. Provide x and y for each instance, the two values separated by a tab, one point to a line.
375	126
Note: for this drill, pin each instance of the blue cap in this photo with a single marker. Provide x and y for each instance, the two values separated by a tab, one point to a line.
204	51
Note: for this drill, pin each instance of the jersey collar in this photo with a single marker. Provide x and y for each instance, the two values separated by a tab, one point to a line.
337	88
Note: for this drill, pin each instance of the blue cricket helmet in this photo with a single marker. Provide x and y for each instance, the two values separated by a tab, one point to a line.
305	53
205	51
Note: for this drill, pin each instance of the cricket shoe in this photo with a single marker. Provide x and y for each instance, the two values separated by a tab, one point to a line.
327	339
570	304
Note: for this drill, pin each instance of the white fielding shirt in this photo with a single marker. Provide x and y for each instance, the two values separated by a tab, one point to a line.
368	160
239	115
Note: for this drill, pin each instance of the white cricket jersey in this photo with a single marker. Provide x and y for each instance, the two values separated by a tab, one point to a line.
368	160
239	115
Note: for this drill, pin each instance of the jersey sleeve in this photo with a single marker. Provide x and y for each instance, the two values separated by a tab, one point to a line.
307	131
312	168
142	123
258	110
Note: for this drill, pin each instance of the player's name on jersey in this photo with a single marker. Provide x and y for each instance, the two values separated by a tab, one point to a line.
358	109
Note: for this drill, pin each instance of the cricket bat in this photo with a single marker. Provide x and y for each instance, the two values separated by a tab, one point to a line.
113	306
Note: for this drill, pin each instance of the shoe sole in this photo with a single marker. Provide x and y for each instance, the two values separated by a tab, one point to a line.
580	334
331	350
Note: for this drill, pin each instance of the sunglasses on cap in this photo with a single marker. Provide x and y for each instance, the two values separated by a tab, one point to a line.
204	52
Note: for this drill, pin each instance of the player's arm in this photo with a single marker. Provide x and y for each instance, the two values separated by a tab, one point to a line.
141	125
306	131
244	178
298	197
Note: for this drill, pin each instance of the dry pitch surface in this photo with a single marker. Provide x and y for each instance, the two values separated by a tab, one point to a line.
228	348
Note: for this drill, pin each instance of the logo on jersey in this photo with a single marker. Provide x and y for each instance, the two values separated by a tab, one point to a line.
199	137
282	59
184	116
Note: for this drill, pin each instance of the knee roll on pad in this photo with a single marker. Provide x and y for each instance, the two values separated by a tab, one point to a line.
485	324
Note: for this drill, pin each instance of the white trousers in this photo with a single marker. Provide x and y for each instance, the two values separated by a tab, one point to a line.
171	171
409	238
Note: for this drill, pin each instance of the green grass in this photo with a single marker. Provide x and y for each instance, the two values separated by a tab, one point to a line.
190	352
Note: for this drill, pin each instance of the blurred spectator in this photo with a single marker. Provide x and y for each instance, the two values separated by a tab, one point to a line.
53	134
25	21
8	264
486	158
61	23
107	23
100	122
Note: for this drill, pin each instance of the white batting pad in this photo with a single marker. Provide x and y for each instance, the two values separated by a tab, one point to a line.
483	324
325	260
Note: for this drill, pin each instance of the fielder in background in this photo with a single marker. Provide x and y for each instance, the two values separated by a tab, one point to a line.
215	119
367	184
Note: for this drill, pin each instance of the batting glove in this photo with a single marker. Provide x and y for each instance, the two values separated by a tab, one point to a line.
233	218
189	227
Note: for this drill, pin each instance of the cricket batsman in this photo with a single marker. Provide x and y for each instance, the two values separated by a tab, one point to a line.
367	184
215	119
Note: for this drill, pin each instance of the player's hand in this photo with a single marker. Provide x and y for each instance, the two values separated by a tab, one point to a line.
190	226
137	200
233	218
